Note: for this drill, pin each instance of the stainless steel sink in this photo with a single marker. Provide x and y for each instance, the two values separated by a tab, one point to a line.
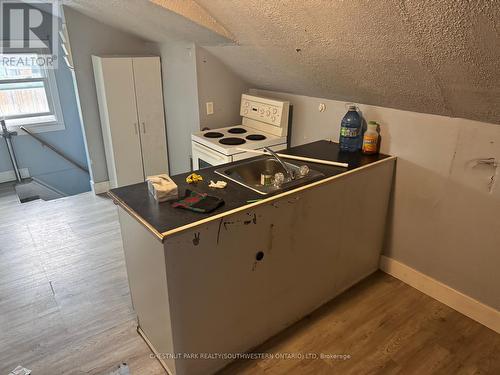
248	174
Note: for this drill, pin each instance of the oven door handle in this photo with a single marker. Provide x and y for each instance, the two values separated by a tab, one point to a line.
200	149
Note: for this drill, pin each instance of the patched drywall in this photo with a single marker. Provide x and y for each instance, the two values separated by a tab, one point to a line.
444	216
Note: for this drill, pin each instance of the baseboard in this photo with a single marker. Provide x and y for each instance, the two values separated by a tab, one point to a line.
11	175
100	187
157	355
464	304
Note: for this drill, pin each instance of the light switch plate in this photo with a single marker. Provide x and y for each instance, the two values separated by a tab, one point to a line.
210	108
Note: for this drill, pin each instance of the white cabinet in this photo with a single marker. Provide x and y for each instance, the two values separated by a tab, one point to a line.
129	92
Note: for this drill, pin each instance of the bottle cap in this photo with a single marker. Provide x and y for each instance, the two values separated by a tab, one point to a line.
352	107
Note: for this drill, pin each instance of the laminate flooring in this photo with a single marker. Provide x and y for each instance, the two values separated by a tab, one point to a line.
64	299
65	309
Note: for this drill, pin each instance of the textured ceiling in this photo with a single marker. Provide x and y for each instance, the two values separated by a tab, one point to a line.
157	21
430	56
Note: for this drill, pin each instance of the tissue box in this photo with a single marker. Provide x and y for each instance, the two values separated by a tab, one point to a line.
162	188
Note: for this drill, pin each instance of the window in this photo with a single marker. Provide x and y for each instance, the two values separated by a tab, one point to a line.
28	94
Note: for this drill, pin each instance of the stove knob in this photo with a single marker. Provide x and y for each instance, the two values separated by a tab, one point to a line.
275	110
261	111
268	112
245	111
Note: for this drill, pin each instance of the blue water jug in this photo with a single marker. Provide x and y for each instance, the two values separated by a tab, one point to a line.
351	130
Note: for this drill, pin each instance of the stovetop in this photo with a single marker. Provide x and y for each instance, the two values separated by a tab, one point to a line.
228	140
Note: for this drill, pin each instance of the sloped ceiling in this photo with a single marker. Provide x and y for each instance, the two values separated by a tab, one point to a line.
156	21
431	56
440	57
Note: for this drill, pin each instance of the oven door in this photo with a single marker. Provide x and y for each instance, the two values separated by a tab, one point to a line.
204	157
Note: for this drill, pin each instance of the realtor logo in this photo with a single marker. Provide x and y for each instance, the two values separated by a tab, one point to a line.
29	27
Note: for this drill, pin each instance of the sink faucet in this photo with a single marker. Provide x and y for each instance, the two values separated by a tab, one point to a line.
289	172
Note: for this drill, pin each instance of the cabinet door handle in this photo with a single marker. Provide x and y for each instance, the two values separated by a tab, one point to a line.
135	128
144	127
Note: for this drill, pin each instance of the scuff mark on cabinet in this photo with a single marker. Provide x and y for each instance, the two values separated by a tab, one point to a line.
196	239
271	238
218	230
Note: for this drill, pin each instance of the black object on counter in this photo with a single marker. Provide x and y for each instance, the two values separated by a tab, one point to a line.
198	202
164	218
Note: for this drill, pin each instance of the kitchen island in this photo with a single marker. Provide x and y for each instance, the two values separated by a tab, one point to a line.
208	287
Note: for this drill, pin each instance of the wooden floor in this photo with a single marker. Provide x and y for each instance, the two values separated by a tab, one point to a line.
386	327
64	300
65	309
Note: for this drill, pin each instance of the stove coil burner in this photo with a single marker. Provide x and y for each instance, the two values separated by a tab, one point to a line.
232	141
213	135
236	131
255	137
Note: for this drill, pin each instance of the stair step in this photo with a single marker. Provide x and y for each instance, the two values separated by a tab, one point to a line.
30	190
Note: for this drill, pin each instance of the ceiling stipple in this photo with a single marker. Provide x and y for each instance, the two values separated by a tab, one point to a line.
440	57
194	12
158	21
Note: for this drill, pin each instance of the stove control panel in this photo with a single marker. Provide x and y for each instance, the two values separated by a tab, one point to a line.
269	111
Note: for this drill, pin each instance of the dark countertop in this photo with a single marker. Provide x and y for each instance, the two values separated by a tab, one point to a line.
161	218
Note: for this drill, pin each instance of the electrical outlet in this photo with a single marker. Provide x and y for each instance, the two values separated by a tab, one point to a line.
210	108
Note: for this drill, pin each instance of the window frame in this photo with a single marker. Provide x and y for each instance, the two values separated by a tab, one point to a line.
40	122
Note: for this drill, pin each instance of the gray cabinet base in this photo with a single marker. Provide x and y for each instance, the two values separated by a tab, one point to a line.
226	286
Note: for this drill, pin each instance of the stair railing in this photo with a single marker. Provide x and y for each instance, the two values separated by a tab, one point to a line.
60	153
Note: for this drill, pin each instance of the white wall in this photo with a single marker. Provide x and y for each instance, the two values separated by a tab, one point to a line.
445	214
43	163
218	84
192	77
181	102
89	37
